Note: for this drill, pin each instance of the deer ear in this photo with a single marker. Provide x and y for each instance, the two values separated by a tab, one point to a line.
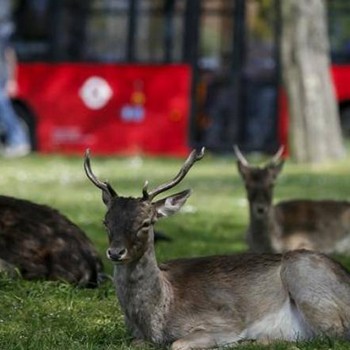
243	169
276	168
108	194
172	204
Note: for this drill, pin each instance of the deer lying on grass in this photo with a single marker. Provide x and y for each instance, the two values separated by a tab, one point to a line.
41	243
322	225
215	301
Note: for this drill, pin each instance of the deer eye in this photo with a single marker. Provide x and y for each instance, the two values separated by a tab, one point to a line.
144	228
106	227
146	225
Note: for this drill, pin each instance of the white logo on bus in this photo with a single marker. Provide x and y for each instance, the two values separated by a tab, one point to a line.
95	92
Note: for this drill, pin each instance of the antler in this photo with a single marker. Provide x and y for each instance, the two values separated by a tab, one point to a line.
104	186
277	156
192	158
245	162
240	156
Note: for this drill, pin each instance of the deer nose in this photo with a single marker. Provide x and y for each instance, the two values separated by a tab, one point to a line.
260	209
116	254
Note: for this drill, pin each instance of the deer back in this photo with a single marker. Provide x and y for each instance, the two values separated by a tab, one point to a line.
322	225
43	244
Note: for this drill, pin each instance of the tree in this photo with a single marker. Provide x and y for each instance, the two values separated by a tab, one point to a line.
314	133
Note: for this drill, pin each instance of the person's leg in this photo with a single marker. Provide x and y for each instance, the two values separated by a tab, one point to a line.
16	136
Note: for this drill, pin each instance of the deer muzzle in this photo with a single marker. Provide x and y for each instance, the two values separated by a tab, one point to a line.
118	255
260	209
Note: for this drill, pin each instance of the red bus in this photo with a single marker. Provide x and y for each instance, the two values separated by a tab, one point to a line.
339	31
157	76
88	79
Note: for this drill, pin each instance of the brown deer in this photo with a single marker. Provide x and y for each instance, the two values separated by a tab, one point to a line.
322	225
40	243
214	301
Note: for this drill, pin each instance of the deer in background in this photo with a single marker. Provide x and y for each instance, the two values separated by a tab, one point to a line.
214	301
41	243
322	225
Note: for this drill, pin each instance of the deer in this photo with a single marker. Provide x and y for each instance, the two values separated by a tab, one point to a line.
37	242
213	301
322	225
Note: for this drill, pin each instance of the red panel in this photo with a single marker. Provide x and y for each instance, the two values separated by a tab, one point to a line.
283	123
131	108
341	79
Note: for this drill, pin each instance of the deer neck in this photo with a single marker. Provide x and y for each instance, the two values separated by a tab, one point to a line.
141	275
260	230
144	295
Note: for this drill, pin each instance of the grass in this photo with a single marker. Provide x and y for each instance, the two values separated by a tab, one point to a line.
47	315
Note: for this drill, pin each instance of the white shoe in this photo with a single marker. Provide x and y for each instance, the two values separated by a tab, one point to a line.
16	151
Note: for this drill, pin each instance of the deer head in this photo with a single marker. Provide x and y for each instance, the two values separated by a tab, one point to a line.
259	181
129	221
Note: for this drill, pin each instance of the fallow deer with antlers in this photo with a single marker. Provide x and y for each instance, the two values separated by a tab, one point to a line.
322	225
214	301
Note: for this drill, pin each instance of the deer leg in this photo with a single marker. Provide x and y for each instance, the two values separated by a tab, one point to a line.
202	339
320	288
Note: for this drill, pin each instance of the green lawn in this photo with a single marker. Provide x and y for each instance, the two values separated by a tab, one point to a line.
46	315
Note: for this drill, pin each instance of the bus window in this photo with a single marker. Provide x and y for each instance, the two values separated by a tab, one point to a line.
50	30
106	30
160	31
216	120
259	74
216	35
133	31
32	37
339	30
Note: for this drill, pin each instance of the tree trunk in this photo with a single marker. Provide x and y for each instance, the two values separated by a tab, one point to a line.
314	133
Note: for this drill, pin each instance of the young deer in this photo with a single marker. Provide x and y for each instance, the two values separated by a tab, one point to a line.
322	225
41	243
215	301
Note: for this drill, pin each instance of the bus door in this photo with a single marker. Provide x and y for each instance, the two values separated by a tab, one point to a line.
237	81
261	77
